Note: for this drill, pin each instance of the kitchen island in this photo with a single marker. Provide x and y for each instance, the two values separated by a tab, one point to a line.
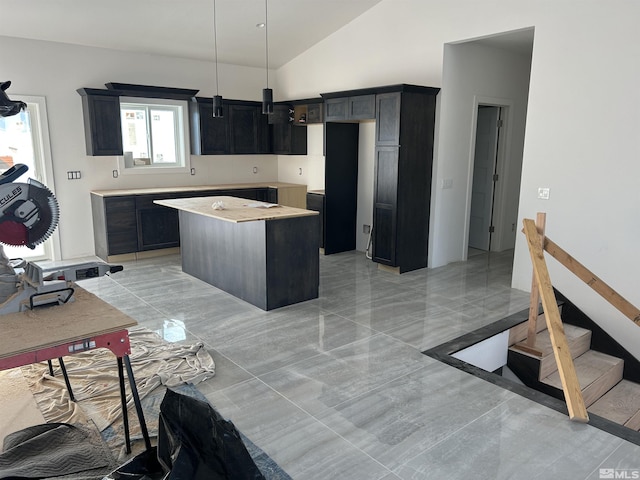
266	255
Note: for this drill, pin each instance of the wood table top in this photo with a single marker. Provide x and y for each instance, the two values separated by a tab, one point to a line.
235	209
49	326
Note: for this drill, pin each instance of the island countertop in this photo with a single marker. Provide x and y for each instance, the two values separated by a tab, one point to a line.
235	210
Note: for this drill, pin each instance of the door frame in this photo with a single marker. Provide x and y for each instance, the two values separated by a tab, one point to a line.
502	169
42	149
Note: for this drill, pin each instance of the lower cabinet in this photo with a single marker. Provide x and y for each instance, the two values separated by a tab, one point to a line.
133	223
315	202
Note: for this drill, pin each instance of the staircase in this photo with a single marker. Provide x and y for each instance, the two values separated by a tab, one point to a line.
606	393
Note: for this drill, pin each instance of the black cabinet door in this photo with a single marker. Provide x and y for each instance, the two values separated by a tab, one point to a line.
384	238
314	113
385	205
158	226
249	129
388	118
209	135
121	226
336	109
315	202
102	125
362	107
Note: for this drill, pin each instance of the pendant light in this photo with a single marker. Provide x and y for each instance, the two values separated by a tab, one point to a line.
267	93
218	112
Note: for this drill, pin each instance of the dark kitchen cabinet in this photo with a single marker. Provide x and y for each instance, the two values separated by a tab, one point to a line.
356	107
315	202
403	164
248	128
157	226
133	223
115	228
287	138
102	125
242	130
209	135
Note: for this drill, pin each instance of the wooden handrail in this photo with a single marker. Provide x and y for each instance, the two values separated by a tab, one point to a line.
588	277
566	369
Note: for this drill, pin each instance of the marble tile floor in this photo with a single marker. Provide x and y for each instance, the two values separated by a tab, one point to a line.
337	387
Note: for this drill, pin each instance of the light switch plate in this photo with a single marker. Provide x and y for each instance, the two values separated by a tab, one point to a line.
543	193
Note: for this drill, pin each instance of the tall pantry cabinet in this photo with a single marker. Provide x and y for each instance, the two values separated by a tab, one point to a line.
405	119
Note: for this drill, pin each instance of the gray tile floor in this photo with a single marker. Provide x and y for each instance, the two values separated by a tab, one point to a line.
337	387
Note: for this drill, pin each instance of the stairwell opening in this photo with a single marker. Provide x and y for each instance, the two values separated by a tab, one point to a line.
488	353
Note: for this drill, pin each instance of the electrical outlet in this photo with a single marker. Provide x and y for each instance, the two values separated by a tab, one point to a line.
366	228
447	183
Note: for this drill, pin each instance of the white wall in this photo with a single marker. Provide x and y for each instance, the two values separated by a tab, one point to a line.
57	70
582	122
472	75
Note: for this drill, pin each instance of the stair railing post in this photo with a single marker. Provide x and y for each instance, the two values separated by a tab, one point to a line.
566	369
534	300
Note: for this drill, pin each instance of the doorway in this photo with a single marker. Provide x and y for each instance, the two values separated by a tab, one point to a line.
484	178
24	138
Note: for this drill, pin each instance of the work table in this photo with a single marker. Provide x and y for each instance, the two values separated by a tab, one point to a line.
234	209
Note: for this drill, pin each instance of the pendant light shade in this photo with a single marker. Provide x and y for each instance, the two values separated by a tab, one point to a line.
218	111
267	93
217	107
267	101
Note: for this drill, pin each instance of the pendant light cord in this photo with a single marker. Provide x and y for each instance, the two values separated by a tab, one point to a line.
215	41
266	39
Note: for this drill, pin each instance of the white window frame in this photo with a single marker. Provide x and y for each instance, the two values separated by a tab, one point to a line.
182	136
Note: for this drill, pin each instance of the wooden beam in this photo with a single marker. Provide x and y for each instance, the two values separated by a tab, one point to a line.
588	277
534	300
566	369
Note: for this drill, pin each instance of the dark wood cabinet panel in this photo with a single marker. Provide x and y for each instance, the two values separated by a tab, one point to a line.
209	135
362	107
336	109
114	225
402	192
384	239
314	113
157	226
357	107
388	118
102	124
286	137
315	202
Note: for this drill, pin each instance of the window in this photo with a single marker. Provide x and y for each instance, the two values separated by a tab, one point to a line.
153	135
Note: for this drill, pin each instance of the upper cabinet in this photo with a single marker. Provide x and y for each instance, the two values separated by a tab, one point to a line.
101	111
352	107
242	130
209	135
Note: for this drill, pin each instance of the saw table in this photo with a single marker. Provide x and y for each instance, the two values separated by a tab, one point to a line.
52	332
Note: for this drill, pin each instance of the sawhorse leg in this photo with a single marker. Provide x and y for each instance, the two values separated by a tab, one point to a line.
136	401
64	375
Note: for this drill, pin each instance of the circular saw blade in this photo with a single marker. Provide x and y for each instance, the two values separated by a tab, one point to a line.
29	217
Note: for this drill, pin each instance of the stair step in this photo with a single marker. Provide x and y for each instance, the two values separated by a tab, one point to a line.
621	404
597	373
519	332
579	340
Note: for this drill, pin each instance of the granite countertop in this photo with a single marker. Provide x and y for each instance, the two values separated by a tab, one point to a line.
235	210
194	188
